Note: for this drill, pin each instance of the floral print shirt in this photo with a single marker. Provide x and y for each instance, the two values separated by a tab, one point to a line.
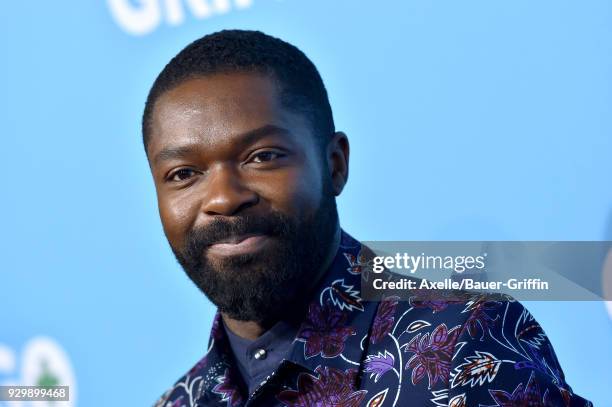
423	352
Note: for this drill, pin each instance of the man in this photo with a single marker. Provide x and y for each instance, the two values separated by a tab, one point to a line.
247	163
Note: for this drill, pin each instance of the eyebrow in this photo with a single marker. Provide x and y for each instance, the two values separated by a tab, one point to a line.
171	153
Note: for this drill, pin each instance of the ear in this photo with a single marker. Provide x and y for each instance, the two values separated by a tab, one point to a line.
338	161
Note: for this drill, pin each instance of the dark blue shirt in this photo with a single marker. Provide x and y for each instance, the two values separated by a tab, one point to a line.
425	351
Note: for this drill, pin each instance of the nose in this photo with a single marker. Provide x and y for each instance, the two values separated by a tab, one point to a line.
226	193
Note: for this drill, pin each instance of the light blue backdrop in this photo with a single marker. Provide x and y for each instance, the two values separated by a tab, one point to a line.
467	120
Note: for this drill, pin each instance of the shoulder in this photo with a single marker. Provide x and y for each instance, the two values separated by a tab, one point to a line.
504	356
186	389
465	349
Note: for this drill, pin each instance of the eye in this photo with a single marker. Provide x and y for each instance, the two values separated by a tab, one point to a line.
181	175
265	156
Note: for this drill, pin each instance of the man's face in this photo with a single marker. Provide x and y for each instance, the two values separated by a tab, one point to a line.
244	192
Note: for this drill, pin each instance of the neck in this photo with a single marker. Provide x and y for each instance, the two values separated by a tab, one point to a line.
254	329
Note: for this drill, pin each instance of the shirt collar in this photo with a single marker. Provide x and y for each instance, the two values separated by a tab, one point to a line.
336	314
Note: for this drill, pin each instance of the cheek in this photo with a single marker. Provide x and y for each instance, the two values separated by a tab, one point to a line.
176	214
293	191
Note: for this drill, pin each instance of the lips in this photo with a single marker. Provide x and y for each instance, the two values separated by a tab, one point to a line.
241	244
235	239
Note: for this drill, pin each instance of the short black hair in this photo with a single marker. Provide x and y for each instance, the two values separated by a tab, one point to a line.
226	51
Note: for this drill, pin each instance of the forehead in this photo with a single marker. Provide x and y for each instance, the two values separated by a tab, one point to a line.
212	108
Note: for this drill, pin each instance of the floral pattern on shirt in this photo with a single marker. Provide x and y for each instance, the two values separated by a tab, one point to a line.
330	387
428	351
324	331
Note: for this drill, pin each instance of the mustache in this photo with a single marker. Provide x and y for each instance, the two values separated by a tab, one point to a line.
272	224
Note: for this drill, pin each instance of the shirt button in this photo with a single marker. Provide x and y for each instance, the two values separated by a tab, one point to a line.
260	354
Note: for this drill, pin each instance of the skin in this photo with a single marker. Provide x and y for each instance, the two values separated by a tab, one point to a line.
241	152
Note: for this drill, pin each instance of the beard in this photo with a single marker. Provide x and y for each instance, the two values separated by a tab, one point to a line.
270	283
